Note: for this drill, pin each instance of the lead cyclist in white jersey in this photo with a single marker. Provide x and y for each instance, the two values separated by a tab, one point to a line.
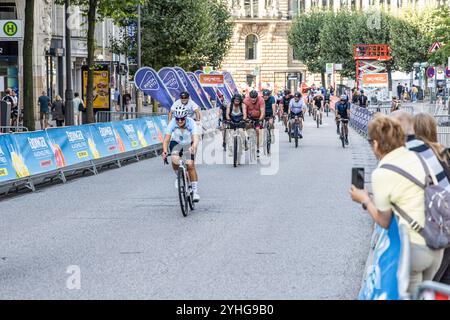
193	110
182	135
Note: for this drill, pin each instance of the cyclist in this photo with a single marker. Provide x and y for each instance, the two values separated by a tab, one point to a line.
343	113
327	100
296	107
255	111
193	110
310	101
284	103
235	114
318	105
182	135
270	110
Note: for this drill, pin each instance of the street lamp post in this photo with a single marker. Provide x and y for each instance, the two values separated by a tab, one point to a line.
69	112
139	92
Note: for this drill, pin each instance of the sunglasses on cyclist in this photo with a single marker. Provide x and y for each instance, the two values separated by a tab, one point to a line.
180	119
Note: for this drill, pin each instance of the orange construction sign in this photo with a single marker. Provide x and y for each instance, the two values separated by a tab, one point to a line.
375	80
211	80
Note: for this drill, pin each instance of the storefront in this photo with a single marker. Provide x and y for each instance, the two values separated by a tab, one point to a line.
9	66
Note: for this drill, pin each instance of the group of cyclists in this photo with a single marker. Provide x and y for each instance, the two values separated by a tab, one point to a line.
253	111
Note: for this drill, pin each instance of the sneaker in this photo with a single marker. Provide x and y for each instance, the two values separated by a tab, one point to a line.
346	141
196	197
300	135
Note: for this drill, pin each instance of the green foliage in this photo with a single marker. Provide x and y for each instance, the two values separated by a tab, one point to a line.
441	33
187	33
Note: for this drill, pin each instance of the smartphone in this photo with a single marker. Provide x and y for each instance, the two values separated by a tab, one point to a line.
358	177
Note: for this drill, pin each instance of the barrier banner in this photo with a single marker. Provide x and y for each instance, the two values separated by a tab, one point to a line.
72	145
7	171
130	135
172	81
104	138
380	279
32	153
230	82
190	88
198	87
151	131
161	125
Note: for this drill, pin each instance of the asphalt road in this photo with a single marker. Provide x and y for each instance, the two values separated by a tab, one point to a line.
292	235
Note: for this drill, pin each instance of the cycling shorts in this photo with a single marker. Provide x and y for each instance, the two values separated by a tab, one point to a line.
268	115
177	149
292	115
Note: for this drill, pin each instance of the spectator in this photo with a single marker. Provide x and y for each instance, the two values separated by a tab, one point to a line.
78	107
44	104
400	91
425	127
395	104
362	99
58	111
405	92
331	90
14	110
355	97
414	92
388	144
126	102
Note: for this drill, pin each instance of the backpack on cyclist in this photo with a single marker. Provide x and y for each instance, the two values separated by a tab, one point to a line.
436	231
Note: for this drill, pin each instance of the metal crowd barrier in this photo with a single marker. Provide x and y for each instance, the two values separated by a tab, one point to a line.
430	290
443	129
110	116
387	109
12	129
359	119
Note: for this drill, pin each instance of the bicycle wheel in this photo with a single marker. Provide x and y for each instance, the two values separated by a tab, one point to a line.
296	134
191	198
268	140
289	132
235	151
182	191
342	136
318	118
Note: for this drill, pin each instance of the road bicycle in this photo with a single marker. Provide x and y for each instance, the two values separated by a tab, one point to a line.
310	108
341	133
267	136
317	116
185	192
252	139
296	131
236	139
327	108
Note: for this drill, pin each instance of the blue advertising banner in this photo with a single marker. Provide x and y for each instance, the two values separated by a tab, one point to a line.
151	130
190	88
380	280
104	139
172	82
230	82
161	124
32	153
147	80
7	171
198	87
130	135
211	91
73	145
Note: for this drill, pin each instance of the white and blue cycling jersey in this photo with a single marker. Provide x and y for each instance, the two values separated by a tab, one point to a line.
296	107
182	135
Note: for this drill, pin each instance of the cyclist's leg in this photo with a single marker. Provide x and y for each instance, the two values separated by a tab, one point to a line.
175	155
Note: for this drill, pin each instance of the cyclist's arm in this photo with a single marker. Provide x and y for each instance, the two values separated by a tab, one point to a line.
244	111
227	113
198	114
166	143
195	140
262	109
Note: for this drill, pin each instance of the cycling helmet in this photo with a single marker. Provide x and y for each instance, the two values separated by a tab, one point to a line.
180	112
253	94
343	97
298	95
266	92
184	95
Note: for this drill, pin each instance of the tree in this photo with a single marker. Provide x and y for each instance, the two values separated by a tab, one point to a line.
28	92
188	33
304	37
97	10
441	33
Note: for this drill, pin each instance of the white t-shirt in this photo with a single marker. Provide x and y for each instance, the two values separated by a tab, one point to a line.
191	106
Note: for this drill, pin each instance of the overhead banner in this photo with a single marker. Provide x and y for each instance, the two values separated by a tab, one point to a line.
32	153
380	279
198	87
210	90
147	80
72	145
230	82
7	171
104	138
190	88
172	82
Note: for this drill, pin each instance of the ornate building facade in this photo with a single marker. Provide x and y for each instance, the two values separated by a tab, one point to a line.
260	55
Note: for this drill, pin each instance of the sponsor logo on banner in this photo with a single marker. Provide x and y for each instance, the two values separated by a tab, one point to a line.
170	81
149	82
375	79
211	80
3	172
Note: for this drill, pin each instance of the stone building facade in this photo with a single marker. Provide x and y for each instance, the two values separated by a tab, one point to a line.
260	55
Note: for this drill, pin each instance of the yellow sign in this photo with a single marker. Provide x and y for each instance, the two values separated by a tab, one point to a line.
101	89
82	154
10	28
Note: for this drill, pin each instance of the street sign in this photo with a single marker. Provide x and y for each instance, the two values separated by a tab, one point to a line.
436	45
11	29
430	72
211	80
329	68
447	72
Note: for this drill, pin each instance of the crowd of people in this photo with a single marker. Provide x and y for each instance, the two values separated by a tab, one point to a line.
405	93
57	110
407	148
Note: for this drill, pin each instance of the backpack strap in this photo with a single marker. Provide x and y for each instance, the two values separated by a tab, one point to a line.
404	174
413	223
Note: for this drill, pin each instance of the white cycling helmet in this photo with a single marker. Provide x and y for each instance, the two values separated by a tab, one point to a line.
180	112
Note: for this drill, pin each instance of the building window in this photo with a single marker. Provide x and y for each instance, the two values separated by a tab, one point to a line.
251	80
8	11
294	55
251	8
251	47
296	7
